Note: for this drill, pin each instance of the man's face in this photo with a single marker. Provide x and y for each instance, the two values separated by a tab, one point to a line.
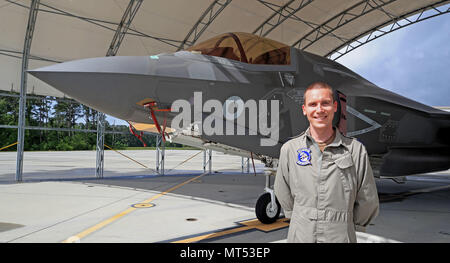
319	108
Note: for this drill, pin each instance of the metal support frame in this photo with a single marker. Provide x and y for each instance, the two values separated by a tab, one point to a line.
245	165
213	10
101	23
280	15
39	97
394	24
160	154
58	129
100	145
348	15
123	27
207	160
290	15
19	54
23	87
127	18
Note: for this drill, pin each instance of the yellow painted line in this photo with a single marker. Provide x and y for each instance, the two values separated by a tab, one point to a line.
108	221
9	146
247	225
98	226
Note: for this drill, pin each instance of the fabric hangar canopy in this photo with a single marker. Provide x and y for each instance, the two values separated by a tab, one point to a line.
52	31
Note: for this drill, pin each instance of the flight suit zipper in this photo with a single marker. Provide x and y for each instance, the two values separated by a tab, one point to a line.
318	230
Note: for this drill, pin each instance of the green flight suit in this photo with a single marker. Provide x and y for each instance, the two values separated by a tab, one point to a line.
331	194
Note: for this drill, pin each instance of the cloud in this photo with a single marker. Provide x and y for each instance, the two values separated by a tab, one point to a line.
413	61
385	46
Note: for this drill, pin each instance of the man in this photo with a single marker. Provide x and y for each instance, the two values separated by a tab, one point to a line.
324	181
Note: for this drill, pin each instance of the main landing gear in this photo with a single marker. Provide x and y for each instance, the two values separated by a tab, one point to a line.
267	207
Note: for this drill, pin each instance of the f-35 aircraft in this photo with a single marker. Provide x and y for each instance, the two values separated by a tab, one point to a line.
237	83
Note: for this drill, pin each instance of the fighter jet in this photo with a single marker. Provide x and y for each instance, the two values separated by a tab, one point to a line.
242	94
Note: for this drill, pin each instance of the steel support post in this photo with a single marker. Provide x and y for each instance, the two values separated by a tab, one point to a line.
121	30
23	87
245	165
100	145
207	160
160	154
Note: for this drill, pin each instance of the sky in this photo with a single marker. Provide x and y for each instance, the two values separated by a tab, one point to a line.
413	61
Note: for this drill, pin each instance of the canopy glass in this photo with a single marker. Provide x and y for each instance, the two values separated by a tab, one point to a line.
245	47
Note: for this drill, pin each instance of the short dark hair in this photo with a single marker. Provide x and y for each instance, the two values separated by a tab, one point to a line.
319	85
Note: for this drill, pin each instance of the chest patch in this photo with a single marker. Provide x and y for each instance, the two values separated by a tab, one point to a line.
303	156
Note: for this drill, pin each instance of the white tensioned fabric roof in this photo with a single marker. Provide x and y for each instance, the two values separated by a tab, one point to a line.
75	29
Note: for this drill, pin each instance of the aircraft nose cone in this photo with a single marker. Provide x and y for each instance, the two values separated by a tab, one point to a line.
123	65
112	85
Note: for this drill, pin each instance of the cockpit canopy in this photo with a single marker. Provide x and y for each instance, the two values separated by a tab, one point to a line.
245	47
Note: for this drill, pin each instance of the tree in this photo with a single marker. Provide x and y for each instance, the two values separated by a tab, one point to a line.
52	113
40	112
66	114
9	109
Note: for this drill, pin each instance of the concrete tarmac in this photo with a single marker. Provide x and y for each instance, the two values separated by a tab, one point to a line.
61	200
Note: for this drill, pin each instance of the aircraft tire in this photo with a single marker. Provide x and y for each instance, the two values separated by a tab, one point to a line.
263	212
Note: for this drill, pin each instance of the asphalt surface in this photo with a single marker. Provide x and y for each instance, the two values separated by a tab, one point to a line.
60	199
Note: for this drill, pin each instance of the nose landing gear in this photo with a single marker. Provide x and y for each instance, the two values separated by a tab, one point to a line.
267	207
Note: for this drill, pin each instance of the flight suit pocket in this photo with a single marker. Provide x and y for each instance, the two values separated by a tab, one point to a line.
345	165
344	162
